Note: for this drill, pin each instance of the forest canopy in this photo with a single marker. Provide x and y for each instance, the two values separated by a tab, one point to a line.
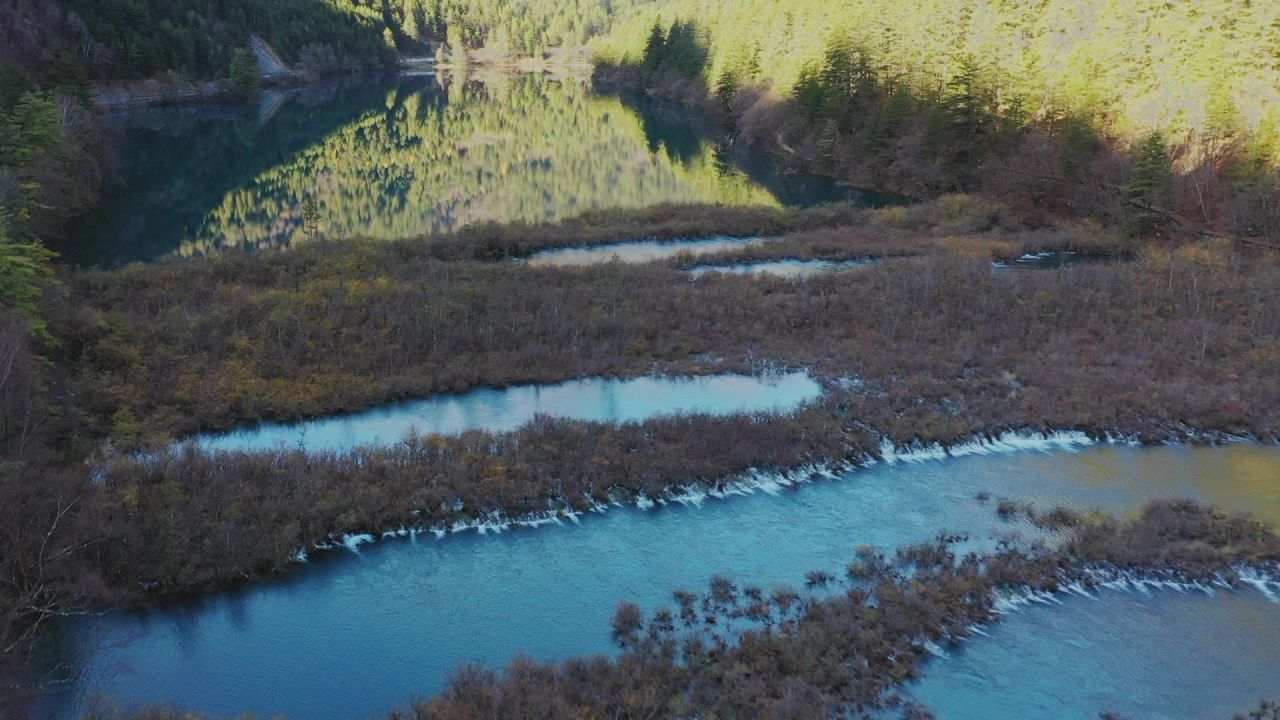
1135	64
197	39
1144	114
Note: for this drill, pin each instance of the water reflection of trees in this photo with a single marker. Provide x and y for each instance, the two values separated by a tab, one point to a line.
174	164
429	160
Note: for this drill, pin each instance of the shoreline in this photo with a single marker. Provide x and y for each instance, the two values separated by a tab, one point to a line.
742	484
738	484
113	98
769	482
108	98
1189	548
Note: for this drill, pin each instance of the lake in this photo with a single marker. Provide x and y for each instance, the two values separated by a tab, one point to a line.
1152	656
406	156
636	252
792	269
609	400
352	634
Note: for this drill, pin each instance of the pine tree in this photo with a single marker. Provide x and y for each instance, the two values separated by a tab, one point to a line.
1146	185
310	217
32	129
727	87
1223	123
967	121
751	63
893	117
24	273
244	71
809	93
655	47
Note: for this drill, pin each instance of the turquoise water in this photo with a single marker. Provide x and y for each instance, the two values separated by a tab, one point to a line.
793	269
636	252
352	634
503	409
1154	656
405	156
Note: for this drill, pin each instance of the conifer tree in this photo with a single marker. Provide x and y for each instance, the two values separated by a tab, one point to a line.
244	71
24	272
655	47
1146	185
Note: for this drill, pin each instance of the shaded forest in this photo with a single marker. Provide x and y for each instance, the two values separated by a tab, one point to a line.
113	40
52	53
49	154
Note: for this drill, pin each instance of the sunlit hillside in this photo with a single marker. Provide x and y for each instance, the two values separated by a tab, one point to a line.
1131	63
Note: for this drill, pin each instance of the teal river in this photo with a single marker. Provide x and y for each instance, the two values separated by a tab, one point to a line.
353	633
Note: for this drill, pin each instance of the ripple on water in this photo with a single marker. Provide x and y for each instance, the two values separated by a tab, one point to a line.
1052	260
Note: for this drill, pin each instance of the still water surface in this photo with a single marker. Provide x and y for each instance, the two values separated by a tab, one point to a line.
793	269
1160	656
352	634
407	156
503	409
636	252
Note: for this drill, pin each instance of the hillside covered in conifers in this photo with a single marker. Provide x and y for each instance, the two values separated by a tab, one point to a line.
1054	102
196	39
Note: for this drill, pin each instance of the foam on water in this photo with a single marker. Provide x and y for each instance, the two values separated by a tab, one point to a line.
744	484
267	647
